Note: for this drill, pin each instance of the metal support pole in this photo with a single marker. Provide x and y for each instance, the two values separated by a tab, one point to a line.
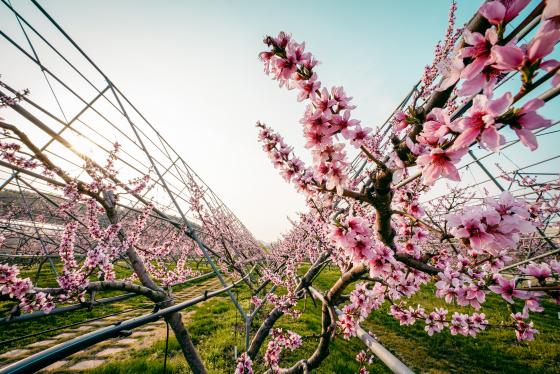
248	322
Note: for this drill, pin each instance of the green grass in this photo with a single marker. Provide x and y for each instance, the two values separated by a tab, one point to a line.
495	350
216	329
47	279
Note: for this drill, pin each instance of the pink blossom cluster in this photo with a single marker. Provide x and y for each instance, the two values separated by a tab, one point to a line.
406	316
466	325
461	324
364	360
70	279
87	233
71	197
137	185
436	321
523	330
22	290
280	340
347	324
356	238
244	364
411	235
362	302
542	271
492	227
462	288
179	274
327	114
442	51
256	301
9	153
291	168
138	228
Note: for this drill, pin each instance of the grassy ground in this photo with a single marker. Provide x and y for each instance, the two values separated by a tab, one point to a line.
495	350
47	279
216	330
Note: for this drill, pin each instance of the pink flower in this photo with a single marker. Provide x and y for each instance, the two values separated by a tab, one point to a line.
469	226
484	81
551	10
507	205
551	65
323	102
342	101
555	266
448	285
437	124
256	301
528	58
415	209
344	124
476	323
503	11
544	41
316	138
479	51
435	321
407	317
506	288
360	247
358	136
525	119
347	325
379	266
308	88
357	241
480	122
244	364
459	324
283	68
440	163
523	330
358	225
399	121
508	57
361	357
8	273
539	271
474	296
533	303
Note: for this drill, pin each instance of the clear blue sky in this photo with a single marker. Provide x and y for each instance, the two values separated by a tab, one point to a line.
192	68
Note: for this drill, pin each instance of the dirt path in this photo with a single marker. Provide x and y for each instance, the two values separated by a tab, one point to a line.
101	353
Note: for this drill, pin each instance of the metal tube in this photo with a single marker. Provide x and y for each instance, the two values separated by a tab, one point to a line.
70	308
44	358
390	360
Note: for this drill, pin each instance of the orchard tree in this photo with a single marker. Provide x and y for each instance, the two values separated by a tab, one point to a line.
376	226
